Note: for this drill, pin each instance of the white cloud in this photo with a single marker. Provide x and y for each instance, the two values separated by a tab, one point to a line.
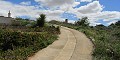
76	3
92	10
113	21
86	0
71	21
106	16
17	10
93	7
64	5
55	2
26	3
23	10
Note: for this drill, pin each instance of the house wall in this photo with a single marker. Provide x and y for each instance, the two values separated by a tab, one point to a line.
6	20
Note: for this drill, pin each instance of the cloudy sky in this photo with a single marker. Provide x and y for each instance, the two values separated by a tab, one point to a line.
98	11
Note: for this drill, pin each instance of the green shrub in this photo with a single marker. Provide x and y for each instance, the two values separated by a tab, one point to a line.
15	45
107	40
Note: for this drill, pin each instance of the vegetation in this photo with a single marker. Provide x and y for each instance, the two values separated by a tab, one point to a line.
41	20
22	22
82	22
105	38
19	43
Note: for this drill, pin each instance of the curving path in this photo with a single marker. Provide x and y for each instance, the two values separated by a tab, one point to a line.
72	45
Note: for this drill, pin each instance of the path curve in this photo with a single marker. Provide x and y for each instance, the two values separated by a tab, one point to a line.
72	45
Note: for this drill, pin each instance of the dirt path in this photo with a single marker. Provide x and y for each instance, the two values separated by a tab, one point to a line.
72	45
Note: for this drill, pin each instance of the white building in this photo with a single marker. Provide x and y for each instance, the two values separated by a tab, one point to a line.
6	20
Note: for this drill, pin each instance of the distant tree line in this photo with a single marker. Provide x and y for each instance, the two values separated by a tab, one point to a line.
82	22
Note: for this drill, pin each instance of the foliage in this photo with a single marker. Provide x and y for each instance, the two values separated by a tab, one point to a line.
106	39
106	42
20	41
117	23
19	45
21	22
41	20
82	22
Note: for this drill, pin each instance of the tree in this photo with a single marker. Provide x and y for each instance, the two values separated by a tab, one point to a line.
117	23
101	27
41	20
18	18
83	22
113	25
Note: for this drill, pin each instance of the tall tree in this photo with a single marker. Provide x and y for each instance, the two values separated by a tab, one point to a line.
83	22
41	20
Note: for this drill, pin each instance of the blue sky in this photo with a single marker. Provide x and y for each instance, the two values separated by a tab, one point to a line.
98	12
19	1
110	5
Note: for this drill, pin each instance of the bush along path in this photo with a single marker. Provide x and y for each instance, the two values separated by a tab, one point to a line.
16	45
72	45
106	39
19	44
